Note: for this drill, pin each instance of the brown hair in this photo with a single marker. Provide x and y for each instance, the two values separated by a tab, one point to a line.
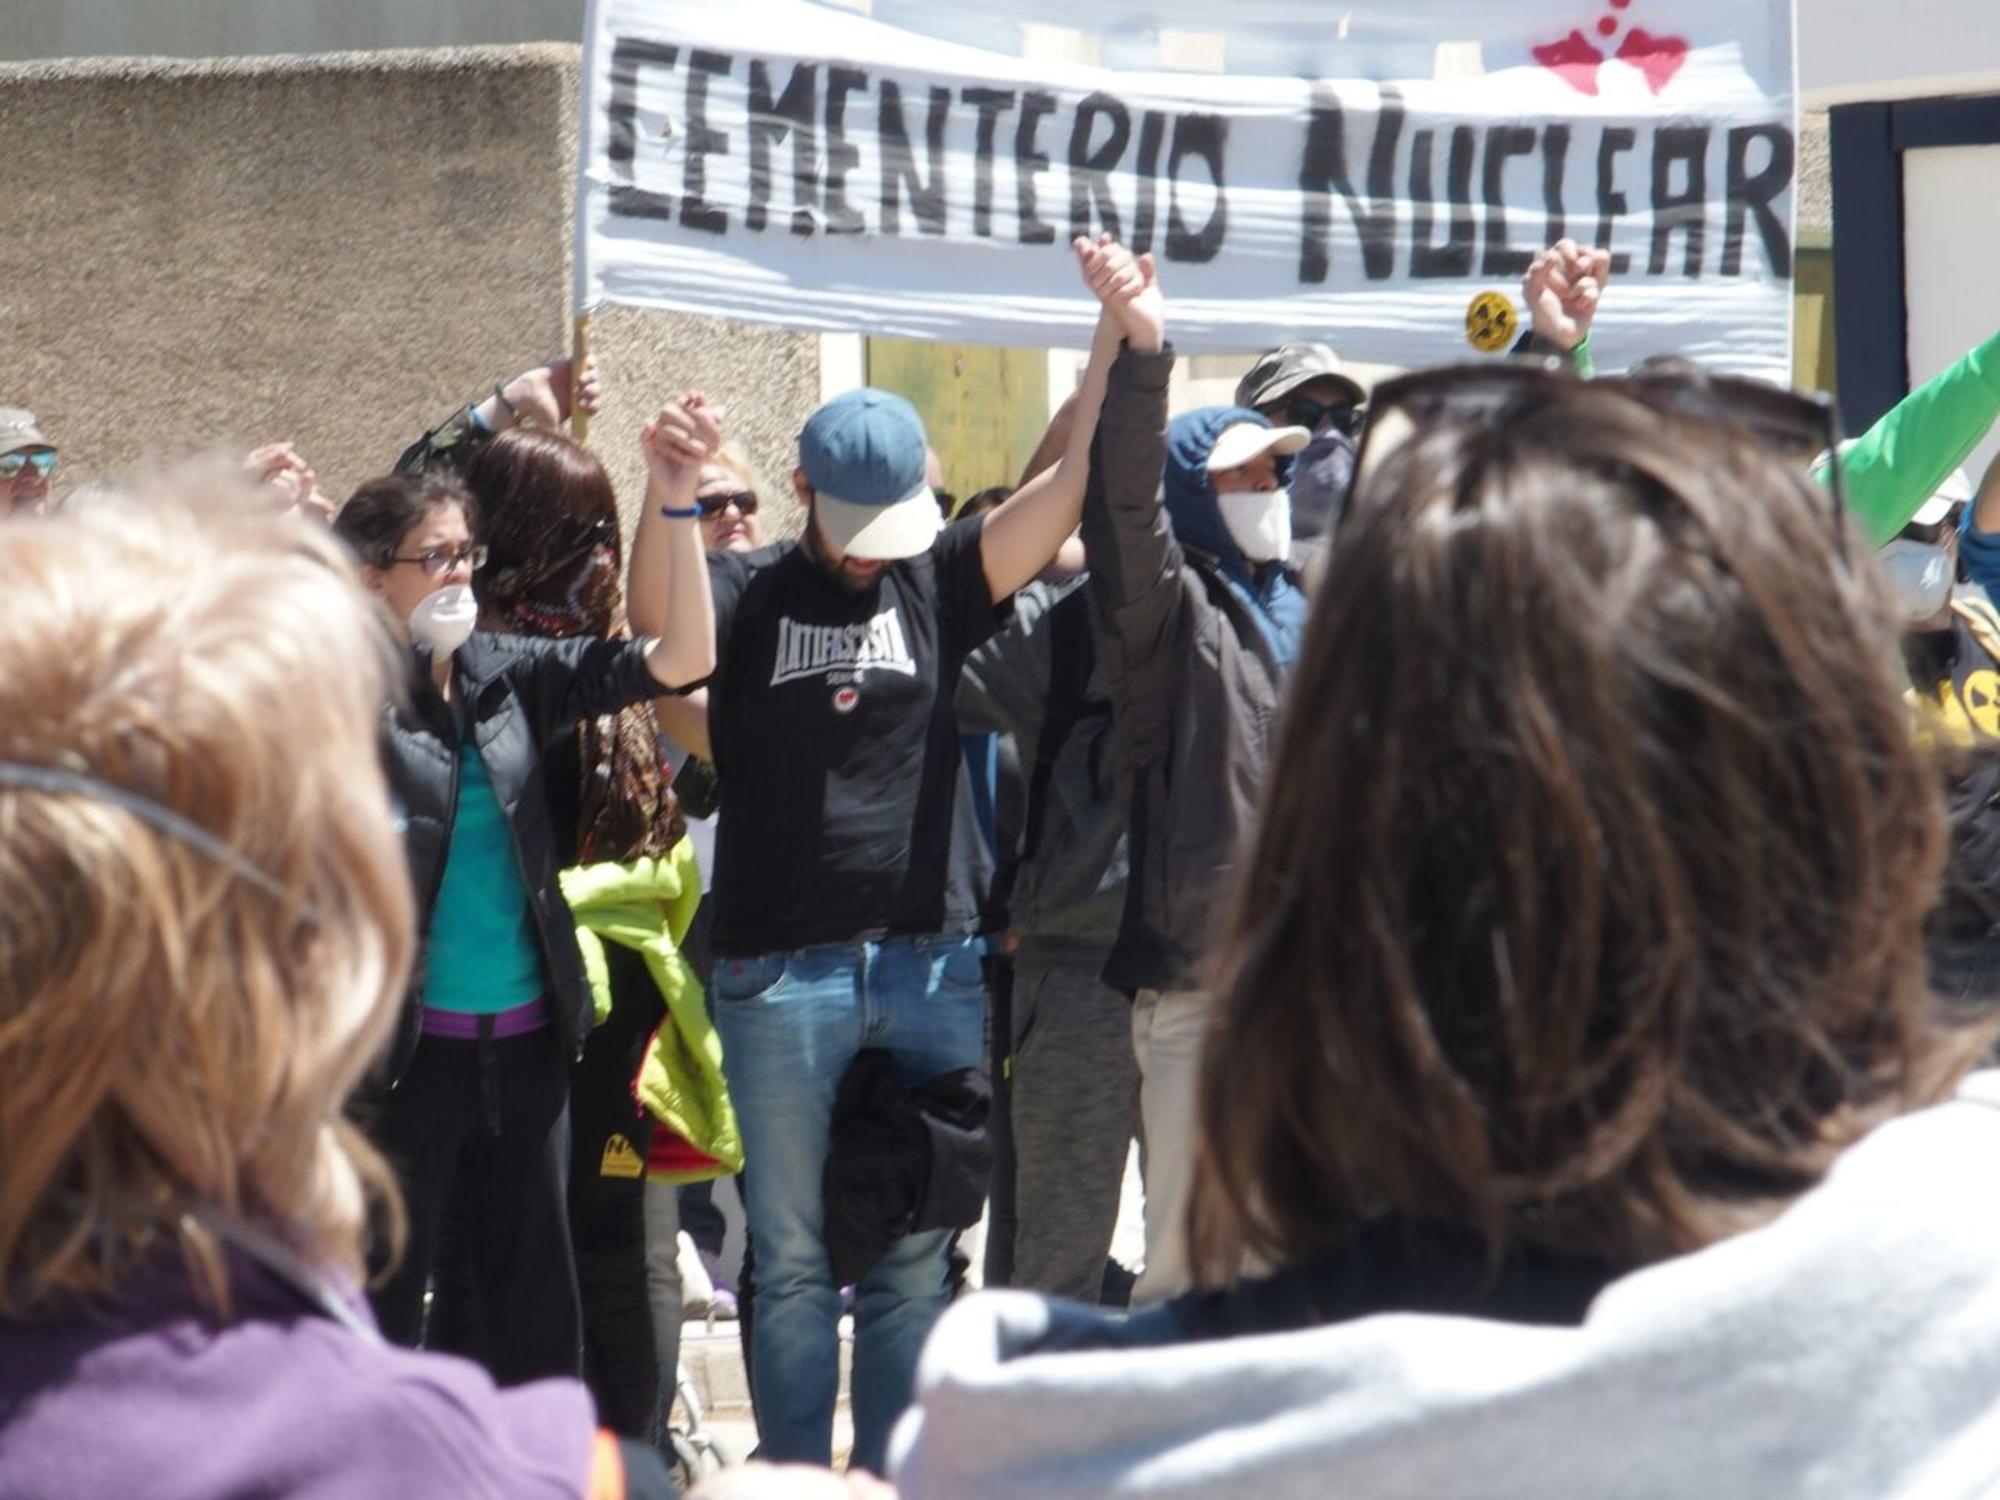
379	514
176	1035
545	498
552	526
1585	908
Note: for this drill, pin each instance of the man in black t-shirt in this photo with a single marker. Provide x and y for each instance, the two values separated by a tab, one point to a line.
831	724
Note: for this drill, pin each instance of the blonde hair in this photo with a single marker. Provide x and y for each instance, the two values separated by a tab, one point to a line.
731	456
177	1036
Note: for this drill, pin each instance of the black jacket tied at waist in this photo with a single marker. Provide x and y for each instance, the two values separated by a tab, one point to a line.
902	1161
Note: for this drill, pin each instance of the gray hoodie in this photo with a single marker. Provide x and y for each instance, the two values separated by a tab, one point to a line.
1849	1348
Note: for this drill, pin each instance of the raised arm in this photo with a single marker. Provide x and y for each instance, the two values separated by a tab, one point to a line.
546	394
1139	603
1562	289
1897	465
667	594
1021	536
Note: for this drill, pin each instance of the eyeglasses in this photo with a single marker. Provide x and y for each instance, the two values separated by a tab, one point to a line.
1788	423
13	465
439	561
715	505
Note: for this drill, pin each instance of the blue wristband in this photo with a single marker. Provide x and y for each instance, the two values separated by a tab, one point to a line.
680	515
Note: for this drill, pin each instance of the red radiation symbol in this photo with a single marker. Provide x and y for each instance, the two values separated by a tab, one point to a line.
1575	59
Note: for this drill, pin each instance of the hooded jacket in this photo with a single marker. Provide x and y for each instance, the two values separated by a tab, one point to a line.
1038	681
1849	1347
515	696
1193	645
647	906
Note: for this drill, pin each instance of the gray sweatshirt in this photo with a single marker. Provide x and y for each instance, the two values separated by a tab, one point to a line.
1849	1348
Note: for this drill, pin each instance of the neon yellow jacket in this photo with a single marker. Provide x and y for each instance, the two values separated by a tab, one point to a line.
647	906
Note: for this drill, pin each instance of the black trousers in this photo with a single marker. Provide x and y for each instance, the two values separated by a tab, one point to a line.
478	1132
607	1201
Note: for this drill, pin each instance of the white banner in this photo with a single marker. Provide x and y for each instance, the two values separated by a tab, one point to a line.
1354	172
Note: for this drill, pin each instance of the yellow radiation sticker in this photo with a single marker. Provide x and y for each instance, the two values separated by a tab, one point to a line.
1491	322
620	1159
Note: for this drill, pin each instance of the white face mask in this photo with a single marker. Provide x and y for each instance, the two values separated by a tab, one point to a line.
445	618
1921	575
1259	522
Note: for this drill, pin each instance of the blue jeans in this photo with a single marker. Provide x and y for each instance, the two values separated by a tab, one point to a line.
791	1024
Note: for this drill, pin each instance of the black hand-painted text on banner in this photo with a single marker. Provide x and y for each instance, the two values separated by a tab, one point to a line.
833	149
788	161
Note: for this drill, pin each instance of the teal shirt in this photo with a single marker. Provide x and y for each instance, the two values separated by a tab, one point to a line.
482	956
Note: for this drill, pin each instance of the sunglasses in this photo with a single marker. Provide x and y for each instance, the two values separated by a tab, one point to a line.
715	505
1303	411
14	465
1790	424
439	561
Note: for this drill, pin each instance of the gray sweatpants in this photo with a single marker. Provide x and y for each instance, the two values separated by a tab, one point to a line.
1075	1112
663	1282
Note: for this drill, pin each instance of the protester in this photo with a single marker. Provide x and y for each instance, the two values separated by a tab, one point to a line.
1072	1079
553	572
833	738
1951	646
476	1103
1575	980
680	1178
1198	614
205	929
27	461
1302	385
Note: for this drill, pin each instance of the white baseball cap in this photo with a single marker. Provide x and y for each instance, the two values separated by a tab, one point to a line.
1240	442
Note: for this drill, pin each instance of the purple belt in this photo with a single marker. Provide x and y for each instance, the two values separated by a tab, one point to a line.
467	1026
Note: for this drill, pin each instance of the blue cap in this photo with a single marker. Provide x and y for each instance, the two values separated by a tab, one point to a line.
865	456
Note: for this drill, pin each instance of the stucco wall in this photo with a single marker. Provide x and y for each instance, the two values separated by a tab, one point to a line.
237	28
333	250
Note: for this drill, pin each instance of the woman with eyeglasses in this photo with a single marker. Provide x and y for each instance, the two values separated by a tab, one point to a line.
1574	1114
474	1102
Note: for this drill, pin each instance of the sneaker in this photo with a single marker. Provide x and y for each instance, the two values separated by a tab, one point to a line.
722	1297
697	1291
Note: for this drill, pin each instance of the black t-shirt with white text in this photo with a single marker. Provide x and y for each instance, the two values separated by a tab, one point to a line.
836	744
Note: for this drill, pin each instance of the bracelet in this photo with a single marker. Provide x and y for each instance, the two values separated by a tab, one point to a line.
513	411
680	515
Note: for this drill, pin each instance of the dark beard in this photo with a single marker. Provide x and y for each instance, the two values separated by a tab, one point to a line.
815	551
